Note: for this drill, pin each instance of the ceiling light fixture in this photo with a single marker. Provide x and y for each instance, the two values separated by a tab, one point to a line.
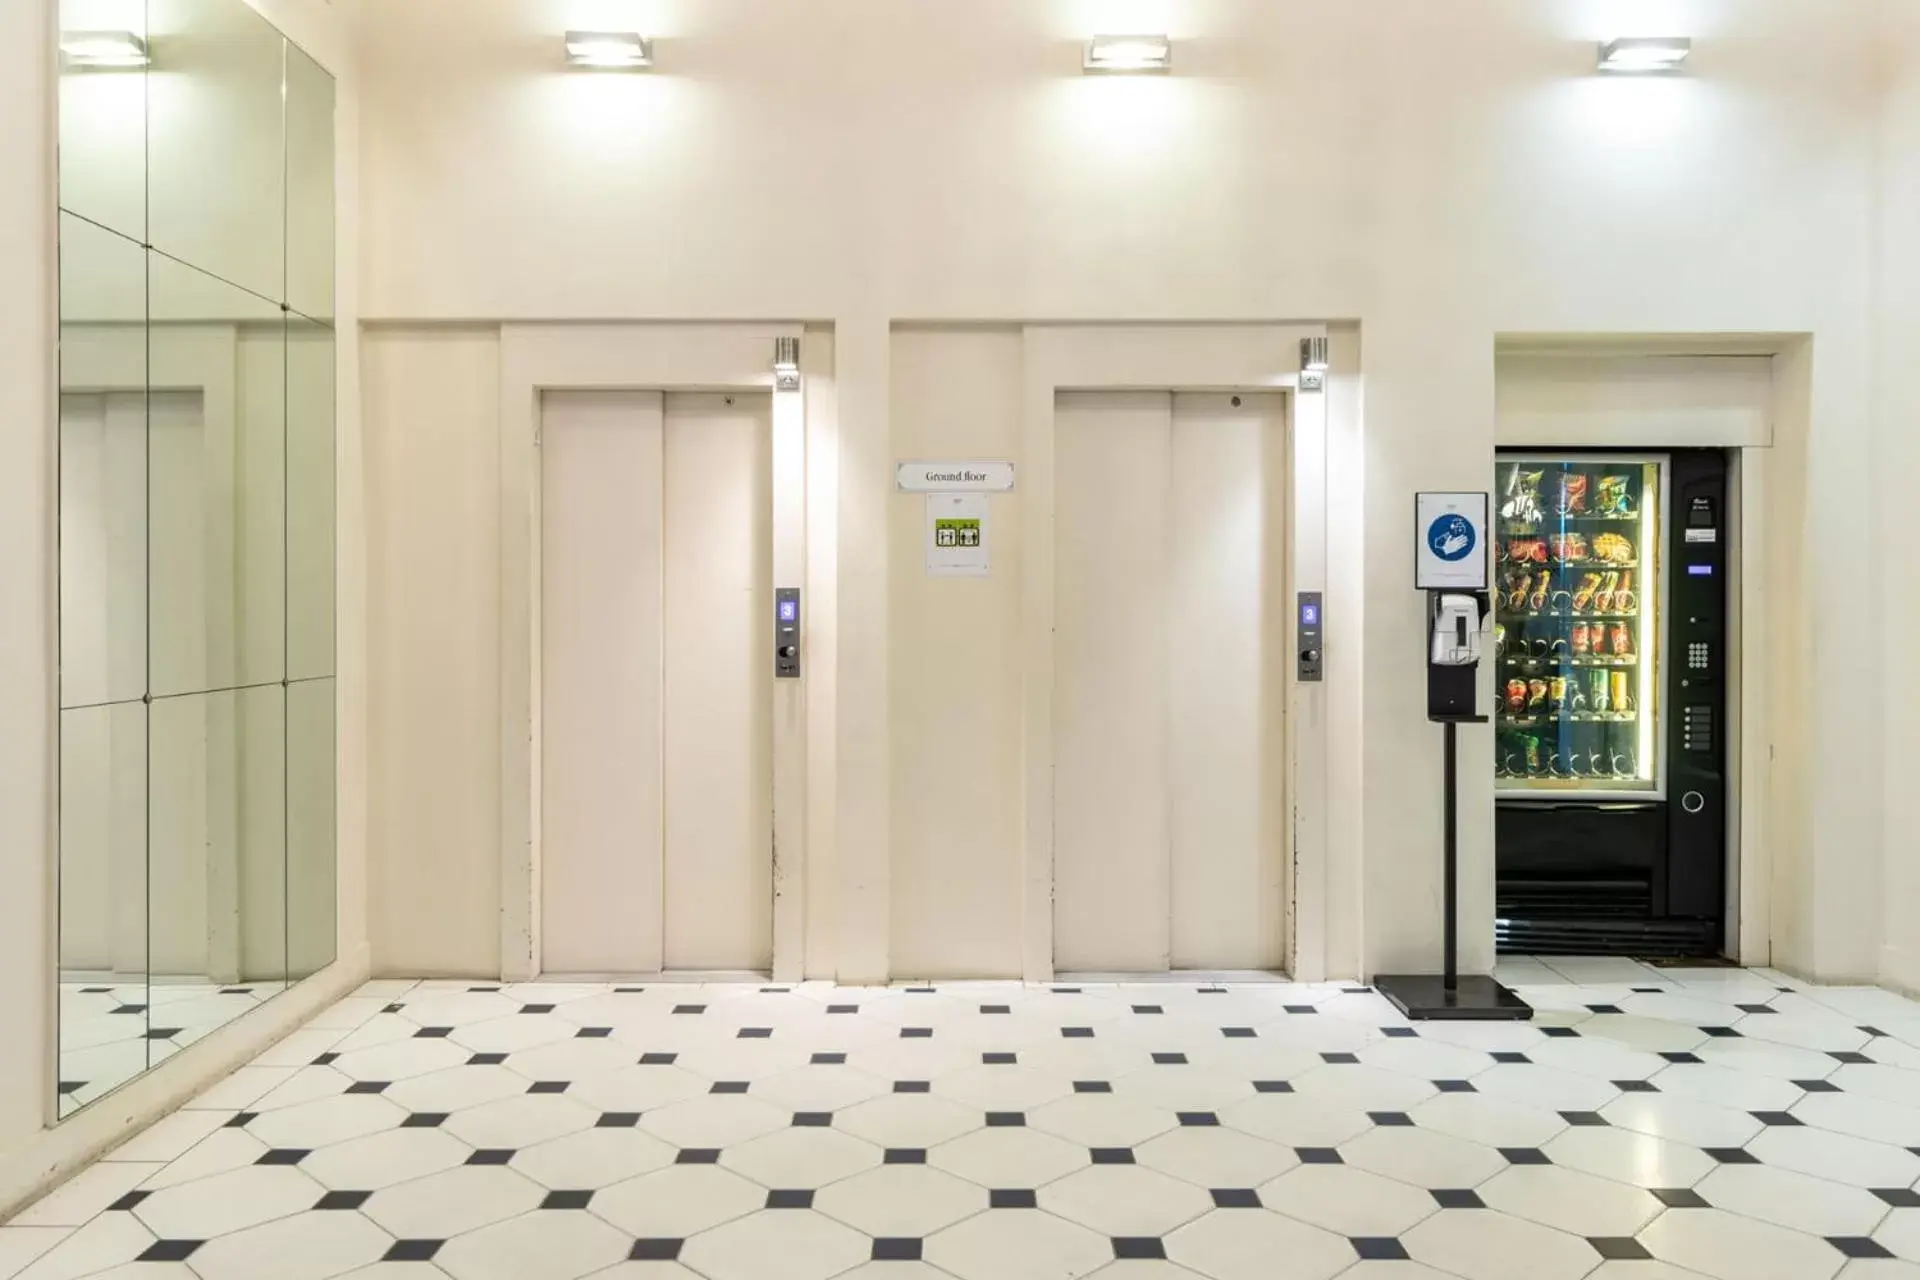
103	49
618	50
1644	55
1128	55
1313	355
786	364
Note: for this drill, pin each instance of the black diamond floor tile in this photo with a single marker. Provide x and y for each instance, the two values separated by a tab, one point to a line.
1680	1198
343	1199
896	1249
412	1250
1319	1155
1092	1086
655	1250
913	1086
1859	1247
1619	1248
1013	1198
567	1200
1138	1247
1378	1248
169	1251
905	1155
789	1199
1458	1198
698	1155
1111	1155
491	1155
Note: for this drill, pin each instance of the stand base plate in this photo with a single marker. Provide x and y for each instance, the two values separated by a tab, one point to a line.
1423	996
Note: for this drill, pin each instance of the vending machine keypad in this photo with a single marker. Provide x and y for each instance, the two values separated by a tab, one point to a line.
1697	655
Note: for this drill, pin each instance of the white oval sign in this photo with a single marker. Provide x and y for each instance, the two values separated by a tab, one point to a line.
954	477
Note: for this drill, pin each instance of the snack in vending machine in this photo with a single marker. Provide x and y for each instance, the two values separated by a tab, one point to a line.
1520	497
1625	600
1613	549
1516	584
1597	692
1572	500
1613	498
1597	639
1580	640
1538	599
1556	694
1536	695
1583	595
1617	695
1603	598
1526	551
1620	636
1533	755
1568	548
1516	695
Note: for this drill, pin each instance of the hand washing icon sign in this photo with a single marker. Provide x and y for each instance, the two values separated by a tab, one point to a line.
1451	537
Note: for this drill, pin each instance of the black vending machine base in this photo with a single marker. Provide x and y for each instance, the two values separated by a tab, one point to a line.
1425	996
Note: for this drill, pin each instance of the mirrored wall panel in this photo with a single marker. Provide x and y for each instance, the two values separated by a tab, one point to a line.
196	434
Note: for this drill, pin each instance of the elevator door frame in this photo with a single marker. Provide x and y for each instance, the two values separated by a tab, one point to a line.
669	359
1249	359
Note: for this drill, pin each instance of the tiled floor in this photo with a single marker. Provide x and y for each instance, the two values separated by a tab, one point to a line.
1650	1125
112	1031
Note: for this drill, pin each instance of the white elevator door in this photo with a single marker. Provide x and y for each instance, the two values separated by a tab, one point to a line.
1169	681
656	688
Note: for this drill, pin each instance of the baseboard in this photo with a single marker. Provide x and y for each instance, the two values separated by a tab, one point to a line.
54	1154
1900	969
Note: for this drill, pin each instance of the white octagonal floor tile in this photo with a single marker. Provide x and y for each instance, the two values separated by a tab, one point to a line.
535	1246
520	1121
1491	1121
1422	1157
1101	1120
715	1120
819	1087
1793	1200
592	1158
330	1120
383	1159
1569	1200
678	1201
1124	1200
1008	1158
1836	1156
445	1204
1634	1158
1730	1247
638	1088
901	1200
908	1120
791	1244
228	1202
1698	1124
401	1059
1215	1156
801	1157
1250	1244
1346	1200
456	1088
1003	1088
307	1246
1017	1245
1295	1120
1485	1244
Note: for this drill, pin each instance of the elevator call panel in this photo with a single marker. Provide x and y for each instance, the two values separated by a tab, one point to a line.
1307	643
786	633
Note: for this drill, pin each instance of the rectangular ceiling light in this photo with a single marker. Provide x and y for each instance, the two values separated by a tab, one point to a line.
103	49
1128	55
1644	55
615	49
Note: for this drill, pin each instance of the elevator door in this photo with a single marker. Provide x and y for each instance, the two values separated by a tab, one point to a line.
1169	681
655	732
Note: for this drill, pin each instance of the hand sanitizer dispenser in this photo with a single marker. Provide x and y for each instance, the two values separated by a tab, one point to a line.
1453	653
1456	630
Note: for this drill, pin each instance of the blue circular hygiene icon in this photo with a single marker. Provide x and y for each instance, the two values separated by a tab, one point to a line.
1451	537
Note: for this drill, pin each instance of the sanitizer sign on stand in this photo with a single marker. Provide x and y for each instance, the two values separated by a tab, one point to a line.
1450	541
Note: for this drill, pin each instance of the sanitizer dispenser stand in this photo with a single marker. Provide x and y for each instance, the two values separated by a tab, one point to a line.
1454	621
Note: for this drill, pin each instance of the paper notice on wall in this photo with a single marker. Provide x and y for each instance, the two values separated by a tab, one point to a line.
957	535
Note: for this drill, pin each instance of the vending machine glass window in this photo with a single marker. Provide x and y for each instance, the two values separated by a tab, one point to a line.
1578	626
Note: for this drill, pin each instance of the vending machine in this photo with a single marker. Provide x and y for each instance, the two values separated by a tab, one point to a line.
1610	643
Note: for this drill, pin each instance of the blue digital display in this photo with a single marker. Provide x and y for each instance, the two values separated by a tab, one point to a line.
1309	615
1700	570
789	611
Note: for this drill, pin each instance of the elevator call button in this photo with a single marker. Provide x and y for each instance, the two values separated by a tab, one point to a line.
786	633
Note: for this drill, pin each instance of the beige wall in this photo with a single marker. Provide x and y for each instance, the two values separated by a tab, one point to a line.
954	669
1898	417
1439	175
